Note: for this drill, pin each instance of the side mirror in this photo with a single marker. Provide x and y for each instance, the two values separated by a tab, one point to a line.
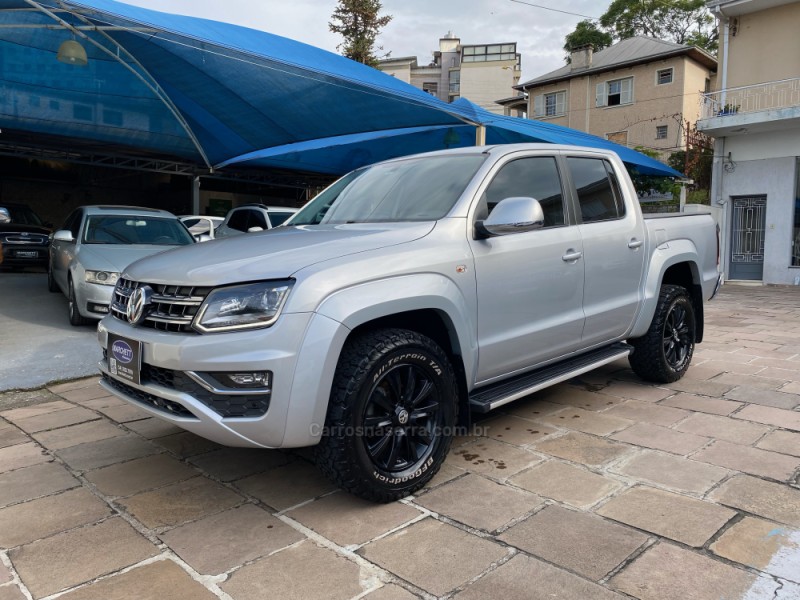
511	215
255	229
5	216
63	235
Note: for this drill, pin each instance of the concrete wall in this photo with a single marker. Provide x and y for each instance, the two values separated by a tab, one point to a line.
485	82
765	46
653	105
775	177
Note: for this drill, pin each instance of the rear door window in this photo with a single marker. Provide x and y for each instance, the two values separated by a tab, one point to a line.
597	188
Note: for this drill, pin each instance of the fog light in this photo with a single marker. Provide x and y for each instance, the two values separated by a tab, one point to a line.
256	379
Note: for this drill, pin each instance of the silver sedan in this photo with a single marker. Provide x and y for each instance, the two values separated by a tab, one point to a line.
95	245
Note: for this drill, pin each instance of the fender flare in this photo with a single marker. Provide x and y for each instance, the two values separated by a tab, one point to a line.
675	252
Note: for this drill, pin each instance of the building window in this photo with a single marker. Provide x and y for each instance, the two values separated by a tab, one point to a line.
455	82
615	92
112	117
664	76
796	229
82	112
550	105
661	132
489	53
431	87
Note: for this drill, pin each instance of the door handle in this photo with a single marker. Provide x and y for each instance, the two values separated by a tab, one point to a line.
571	255
634	243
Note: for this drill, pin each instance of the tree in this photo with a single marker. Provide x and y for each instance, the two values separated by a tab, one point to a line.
359	23
679	21
587	33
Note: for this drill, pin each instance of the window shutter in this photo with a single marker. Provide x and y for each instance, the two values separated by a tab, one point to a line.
601	94
538	105
561	103
626	91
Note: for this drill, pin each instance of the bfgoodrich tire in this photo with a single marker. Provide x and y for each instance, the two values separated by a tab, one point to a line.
391	415
663	354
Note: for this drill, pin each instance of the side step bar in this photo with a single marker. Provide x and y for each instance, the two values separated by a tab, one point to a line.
489	397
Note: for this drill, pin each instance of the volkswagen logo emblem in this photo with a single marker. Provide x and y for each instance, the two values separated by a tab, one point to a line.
138	303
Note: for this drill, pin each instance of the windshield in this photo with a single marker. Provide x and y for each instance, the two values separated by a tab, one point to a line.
418	189
135	229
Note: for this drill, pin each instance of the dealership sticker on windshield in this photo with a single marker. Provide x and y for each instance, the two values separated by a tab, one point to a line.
124	358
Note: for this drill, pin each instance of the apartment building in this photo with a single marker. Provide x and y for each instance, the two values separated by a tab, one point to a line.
754	115
638	92
479	72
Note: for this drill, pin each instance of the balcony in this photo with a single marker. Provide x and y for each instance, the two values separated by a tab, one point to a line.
751	109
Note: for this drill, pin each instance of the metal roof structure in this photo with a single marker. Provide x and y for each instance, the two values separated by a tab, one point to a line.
170	87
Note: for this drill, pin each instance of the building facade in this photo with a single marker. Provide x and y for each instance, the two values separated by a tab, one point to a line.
481	72
754	116
638	92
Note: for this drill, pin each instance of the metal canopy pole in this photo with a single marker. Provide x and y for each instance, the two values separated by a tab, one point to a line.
196	195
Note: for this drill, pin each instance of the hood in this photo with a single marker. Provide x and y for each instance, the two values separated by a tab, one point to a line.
274	254
115	257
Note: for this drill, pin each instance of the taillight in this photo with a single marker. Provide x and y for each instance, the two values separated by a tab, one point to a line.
717	247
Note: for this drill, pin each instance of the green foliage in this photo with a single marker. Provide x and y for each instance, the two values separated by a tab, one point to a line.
587	33
359	22
646	183
679	21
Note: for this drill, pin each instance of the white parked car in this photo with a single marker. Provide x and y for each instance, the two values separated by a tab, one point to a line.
202	227
96	243
253	217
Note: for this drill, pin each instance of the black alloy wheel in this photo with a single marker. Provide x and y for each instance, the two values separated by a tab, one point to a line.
401	417
391	415
664	353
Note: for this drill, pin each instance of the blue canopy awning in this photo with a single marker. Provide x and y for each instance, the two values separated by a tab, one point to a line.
220	94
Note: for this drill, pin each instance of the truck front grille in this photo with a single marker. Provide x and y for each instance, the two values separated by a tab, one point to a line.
173	308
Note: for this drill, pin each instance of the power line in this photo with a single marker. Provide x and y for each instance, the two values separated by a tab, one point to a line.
566	12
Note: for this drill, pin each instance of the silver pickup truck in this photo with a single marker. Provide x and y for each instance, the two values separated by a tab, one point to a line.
405	296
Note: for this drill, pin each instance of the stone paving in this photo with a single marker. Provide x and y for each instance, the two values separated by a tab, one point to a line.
599	488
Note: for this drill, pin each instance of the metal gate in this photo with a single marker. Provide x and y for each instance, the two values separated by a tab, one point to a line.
747	237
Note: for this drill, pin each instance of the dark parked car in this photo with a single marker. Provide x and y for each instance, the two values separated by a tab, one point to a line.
24	238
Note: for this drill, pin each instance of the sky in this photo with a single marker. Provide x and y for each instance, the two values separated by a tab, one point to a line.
416	25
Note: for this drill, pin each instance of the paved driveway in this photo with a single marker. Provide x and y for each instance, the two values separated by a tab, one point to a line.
37	343
597	489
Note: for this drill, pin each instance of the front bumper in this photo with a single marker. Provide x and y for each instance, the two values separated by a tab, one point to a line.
24	255
93	299
172	362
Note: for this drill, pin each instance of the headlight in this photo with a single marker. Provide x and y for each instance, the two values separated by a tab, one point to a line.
242	306
102	277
